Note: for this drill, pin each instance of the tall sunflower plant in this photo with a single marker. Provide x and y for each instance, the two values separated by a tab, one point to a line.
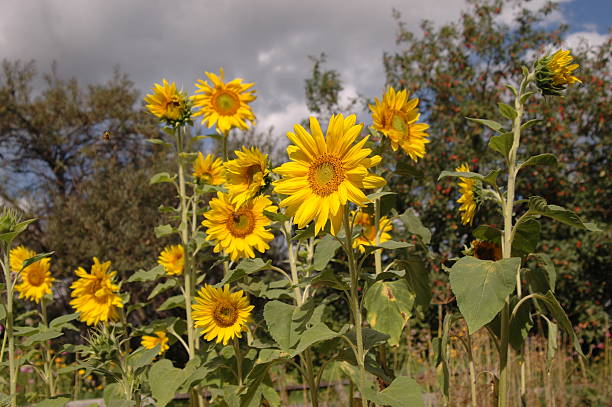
494	285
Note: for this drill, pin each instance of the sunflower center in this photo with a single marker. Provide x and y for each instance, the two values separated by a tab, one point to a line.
225	314
487	251
36	276
173	107
399	123
252	174
325	175
241	223
226	103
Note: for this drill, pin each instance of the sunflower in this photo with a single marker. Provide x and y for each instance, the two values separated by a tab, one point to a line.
237	231
486	250
95	295
226	104
168	104
209	170
220	313
161	339
35	280
396	117
326	172
467	200
367	237
173	259
554	72
246	175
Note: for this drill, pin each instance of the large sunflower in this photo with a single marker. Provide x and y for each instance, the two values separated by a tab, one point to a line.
172	258
167	103
35	280
95	294
396	118
326	172
238	231
554	72
467	199
224	104
367	237
160	338
220	313
246	175
209	170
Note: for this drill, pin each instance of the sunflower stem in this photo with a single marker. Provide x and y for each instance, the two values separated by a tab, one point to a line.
48	365
238	355
377	253
9	327
355	306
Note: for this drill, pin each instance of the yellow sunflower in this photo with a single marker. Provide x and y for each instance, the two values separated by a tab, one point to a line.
167	103
95	295
35	280
396	117
238	231
150	342
467	199
220	313
209	170
554	72
246	175
224	104
173	260
367	237
326	172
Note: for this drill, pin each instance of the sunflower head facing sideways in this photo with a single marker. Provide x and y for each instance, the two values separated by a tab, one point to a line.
367	222
246	175
467	188
224	104
172	258
35	280
95	294
221	314
554	72
237	231
326	172
208	170
169	104
396	117
160	338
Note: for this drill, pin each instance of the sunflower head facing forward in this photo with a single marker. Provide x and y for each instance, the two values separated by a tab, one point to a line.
396	117
35	280
221	314
224	104
326	172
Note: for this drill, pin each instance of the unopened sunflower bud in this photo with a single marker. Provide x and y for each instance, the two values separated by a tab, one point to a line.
554	72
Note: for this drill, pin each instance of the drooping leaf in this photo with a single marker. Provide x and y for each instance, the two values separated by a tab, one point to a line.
413	225
324	252
526	238
406	169
540	159
418	279
539	206
389	305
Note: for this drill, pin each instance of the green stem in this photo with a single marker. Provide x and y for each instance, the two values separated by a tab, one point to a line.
355	308
48	365
377	253
238	355
9	328
225	137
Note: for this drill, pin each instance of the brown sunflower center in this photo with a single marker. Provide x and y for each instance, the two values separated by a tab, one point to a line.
252	174
487	251
325	175
398	122
36	276
173	107
225	314
226	102
241	223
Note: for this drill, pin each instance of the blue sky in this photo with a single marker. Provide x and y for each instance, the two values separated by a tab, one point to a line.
588	14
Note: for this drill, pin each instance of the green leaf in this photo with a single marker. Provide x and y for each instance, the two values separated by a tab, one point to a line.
2	312
389	245
389	305
276	217
502	143
481	287
507	111
36	258
540	159
376	195
165	379
551	342
324	252
512	89
413	225
520	326
543	278
172	302
114	397
43	335
557	311
445	174
403	391
406	169
328	278
530	123
418	280
488	234
161	178
493	125
161	287
58	401
526	96
526	237
142	357
539	206
157	141
147	275
244	268
60	321
163	230
371	338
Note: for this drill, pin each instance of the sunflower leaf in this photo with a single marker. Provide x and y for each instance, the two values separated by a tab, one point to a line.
492	124
540	159
502	143
36	258
507	111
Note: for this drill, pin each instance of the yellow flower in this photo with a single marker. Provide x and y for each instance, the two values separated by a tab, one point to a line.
95	295
554	72
150	342
209	170
246	175
173	259
326	172
224	104
467	201
237	231
220	313
396	117
367	237
167	103
35	280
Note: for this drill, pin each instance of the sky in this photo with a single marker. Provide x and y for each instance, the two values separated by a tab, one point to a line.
262	41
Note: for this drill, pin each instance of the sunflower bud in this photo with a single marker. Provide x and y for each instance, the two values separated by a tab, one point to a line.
554	72
9	219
